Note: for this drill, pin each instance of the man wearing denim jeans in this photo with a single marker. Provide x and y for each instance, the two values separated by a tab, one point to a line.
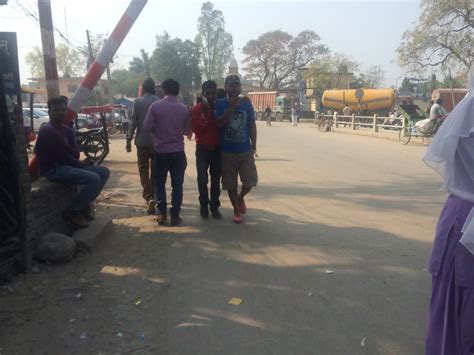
58	160
144	142
169	121
208	150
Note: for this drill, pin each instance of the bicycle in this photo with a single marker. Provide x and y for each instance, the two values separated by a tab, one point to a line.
410	130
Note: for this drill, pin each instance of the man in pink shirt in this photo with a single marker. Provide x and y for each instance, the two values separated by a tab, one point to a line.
169	121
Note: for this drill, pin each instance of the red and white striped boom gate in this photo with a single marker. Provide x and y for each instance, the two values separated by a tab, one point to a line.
104	57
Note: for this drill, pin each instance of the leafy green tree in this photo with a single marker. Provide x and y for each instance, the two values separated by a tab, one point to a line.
214	43
443	36
69	61
406	85
141	65
275	58
126	82
372	78
329	72
179	60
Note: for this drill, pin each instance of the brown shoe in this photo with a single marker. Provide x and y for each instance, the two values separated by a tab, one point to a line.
161	219
175	221
150	209
88	213
78	221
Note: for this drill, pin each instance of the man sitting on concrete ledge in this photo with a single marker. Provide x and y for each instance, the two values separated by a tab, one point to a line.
58	159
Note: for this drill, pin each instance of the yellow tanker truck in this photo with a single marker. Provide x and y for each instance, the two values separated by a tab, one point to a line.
360	100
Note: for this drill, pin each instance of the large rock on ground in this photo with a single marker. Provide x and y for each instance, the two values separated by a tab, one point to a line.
55	247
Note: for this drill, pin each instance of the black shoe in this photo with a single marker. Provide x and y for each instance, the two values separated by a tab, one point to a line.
161	219
175	221
88	213
204	212
216	214
78	221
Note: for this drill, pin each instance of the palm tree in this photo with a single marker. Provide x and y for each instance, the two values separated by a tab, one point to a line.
141	65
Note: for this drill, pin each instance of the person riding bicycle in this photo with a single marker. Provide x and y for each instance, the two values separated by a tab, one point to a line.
430	125
437	112
268	115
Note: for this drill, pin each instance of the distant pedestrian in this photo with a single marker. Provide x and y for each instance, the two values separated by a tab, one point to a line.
144	141
268	115
346	111
124	116
169	121
294	117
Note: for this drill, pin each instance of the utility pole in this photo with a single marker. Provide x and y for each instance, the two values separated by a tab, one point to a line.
90	59
49	49
65	24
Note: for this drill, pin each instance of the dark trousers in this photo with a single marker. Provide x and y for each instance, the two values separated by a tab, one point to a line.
208	159
175	164
125	127
145	170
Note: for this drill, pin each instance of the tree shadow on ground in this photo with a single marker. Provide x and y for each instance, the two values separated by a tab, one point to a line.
183	278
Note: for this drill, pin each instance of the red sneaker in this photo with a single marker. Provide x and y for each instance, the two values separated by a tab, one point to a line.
237	219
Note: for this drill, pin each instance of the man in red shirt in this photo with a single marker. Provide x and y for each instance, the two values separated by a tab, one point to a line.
208	152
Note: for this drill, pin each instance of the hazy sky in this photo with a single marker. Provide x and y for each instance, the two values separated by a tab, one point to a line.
366	31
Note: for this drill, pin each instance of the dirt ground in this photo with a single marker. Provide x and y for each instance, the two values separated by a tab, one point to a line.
331	259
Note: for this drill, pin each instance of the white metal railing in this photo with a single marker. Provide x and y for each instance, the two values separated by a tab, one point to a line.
374	122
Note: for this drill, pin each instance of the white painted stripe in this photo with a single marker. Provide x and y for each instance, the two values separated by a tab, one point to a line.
48	37
107	52
79	98
134	9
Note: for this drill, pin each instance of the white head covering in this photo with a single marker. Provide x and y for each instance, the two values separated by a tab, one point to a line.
451	154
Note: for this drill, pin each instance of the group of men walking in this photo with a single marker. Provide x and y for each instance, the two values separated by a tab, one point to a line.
226	138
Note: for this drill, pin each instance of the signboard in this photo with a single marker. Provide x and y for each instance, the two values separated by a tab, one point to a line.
359	94
10	72
12	210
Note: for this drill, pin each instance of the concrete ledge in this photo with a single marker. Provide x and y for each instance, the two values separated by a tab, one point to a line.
89	237
45	205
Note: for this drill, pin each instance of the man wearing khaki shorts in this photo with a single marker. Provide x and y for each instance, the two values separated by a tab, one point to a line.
236	118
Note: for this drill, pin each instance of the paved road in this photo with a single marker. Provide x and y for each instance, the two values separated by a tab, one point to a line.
363	208
360	207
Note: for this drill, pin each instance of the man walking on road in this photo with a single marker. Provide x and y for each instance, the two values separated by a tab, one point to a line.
144	142
294	117
208	151
169	121
236	118
268	115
